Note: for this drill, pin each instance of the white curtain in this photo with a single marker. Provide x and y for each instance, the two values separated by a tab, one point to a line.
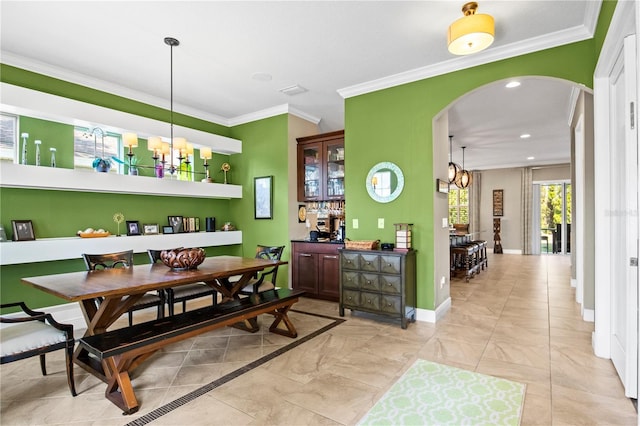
527	210
474	204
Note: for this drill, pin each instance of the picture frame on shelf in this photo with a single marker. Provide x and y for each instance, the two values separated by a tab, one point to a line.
263	197
150	229
167	230
177	223
133	227
22	230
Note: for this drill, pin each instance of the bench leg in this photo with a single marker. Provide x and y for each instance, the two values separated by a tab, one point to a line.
119	388
250	325
280	315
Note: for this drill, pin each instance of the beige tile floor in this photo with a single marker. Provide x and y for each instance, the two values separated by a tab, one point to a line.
516	320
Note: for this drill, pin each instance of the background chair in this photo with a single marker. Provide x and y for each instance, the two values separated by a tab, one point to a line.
36	334
183	293
124	259
260	282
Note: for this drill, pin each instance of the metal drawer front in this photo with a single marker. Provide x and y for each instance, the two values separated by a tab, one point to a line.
370	301
350	280
369	282
390	264
391	284
390	304
351	298
350	260
369	262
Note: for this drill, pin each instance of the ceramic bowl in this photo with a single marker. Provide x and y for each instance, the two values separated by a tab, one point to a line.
183	259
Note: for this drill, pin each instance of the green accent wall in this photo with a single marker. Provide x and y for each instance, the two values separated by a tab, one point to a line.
395	125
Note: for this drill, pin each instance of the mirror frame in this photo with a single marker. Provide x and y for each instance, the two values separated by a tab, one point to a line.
396	192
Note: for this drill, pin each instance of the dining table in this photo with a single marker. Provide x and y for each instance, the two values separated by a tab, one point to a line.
105	295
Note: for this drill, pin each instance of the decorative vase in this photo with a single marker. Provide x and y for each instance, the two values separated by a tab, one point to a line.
133	171
160	171
102	166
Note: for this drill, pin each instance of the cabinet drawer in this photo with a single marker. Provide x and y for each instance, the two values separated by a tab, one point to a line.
390	304
350	280
350	260
369	262
370	301
351	298
369	282
390	264
390	284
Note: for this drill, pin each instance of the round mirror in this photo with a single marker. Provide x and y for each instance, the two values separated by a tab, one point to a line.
385	182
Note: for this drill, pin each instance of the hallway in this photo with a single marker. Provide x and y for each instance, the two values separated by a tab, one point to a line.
516	320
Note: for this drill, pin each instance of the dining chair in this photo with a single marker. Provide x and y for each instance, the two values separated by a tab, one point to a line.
37	333
124	259
183	293
260	282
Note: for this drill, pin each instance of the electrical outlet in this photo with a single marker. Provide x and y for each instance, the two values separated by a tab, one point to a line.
442	282
355	224
381	222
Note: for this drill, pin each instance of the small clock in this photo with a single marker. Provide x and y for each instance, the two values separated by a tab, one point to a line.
302	214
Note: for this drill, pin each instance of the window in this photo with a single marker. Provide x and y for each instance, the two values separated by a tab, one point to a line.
458	206
90	144
8	136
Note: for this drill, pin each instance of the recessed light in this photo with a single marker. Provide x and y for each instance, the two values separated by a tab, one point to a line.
261	76
525	136
531	158
512	84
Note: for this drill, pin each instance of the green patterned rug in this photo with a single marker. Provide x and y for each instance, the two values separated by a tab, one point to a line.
436	394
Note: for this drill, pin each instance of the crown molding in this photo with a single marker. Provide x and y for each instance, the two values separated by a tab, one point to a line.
559	38
272	112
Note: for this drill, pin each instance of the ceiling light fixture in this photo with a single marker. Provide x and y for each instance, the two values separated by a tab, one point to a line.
471	33
525	136
464	177
512	84
178	144
454	169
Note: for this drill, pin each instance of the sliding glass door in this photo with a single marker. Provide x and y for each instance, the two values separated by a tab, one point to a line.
555	218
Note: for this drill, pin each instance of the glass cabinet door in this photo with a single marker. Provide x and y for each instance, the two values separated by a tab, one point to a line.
334	180
312	171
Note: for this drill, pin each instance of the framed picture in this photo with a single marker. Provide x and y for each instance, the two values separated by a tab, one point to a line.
177	223
263	197
442	186
133	227
150	229
498	202
22	230
167	230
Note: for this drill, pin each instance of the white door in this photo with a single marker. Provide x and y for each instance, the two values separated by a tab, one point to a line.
624	226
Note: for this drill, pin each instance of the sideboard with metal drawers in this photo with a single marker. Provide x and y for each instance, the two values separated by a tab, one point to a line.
379	282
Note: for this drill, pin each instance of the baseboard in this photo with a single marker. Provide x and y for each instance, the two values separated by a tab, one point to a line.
506	251
427	315
589	315
574	282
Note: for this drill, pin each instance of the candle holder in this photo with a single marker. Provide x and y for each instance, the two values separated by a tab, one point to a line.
38	142
24	136
403	236
53	157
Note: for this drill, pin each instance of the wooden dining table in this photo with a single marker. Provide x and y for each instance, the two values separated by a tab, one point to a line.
105	295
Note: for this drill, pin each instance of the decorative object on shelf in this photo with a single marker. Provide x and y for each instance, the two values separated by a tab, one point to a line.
210	223
403	236
471	33
263	197
100	164
454	168
38	142
22	230
497	240
183	259
92	233
167	230
3	235
150	229
228	227
118	218
389	182
25	137
463	180
226	167
498	204
205	154
53	157
133	227
176	223
361	244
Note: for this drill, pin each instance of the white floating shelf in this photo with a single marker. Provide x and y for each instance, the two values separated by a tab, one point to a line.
32	177
49	249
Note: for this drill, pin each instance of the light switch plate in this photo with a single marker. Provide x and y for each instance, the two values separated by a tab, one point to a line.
381	222
355	224
445	222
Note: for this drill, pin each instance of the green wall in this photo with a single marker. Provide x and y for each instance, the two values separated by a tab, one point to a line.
395	125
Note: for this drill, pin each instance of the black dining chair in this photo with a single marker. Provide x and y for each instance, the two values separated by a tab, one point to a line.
266	279
35	333
124	259
183	293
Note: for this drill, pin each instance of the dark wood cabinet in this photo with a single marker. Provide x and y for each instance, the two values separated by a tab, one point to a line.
315	269
380	282
321	167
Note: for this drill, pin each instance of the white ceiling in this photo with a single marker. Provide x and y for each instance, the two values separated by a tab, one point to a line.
334	49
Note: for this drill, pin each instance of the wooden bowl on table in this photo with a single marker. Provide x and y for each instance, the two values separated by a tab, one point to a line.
183	259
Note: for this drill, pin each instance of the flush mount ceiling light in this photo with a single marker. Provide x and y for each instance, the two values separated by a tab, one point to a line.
471	33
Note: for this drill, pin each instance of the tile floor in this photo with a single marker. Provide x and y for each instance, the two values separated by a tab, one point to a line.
516	320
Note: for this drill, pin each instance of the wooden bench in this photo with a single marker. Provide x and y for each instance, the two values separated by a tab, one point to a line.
122	350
